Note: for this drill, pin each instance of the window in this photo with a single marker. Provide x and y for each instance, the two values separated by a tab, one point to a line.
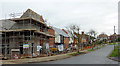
27	38
27	33
61	38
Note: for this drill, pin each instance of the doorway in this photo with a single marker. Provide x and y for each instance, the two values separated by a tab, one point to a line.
21	49
32	48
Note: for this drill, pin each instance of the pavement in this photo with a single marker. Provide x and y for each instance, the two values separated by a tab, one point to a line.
95	57
34	60
39	59
115	58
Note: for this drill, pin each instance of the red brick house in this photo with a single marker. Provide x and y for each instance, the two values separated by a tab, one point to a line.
66	39
84	39
61	39
66	42
51	39
27	35
113	37
103	37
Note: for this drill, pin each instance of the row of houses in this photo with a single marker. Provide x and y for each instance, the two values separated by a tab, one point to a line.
111	38
30	35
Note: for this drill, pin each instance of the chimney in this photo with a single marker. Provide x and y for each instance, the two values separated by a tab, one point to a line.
82	33
41	19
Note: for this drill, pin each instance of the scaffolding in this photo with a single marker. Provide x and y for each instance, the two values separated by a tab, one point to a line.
25	31
29	29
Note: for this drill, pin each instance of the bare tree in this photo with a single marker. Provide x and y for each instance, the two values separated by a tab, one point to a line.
92	33
75	28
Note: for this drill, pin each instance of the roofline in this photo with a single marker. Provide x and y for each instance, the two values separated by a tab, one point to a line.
18	19
27	18
18	30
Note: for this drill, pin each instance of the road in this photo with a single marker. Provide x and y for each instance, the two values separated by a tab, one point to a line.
95	57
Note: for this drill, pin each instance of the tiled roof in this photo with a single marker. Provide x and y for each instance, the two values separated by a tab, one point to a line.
6	24
60	31
31	14
71	34
114	34
103	35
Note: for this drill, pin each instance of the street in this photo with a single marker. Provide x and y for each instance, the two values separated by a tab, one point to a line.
96	57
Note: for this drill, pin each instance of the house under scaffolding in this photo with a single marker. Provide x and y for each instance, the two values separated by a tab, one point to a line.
24	35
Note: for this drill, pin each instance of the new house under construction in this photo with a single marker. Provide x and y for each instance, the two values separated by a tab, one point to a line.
25	36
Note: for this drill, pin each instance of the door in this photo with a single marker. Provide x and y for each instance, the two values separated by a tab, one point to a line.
32	48
21	49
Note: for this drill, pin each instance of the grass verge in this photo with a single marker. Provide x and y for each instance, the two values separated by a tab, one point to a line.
113	43
115	52
74	54
91	50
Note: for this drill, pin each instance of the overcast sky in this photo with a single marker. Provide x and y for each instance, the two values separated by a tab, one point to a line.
100	15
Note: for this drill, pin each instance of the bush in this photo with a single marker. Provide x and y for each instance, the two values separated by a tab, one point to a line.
119	39
98	42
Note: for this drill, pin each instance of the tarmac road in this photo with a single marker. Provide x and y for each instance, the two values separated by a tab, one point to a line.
96	57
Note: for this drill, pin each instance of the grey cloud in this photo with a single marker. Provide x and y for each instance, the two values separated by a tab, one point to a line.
61	13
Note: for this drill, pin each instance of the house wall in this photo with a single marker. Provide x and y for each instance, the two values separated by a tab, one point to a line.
51	39
71	40
57	38
25	25
16	40
113	37
51	31
15	43
101	38
66	42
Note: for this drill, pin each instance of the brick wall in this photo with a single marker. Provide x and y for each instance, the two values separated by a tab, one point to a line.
51	31
66	42
51	39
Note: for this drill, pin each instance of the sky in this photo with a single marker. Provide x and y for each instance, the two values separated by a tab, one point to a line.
100	15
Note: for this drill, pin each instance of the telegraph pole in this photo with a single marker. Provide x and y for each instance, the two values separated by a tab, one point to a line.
114	29
114	37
